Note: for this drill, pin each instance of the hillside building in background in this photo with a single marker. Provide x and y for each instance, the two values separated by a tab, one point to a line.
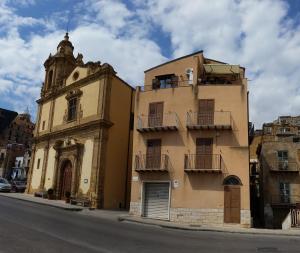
83	131
16	134
190	145
279	162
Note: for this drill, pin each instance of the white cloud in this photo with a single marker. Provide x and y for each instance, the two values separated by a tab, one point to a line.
256	34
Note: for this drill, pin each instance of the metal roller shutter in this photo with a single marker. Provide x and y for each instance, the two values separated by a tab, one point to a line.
156	201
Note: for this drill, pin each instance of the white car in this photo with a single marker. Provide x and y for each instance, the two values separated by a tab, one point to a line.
5	186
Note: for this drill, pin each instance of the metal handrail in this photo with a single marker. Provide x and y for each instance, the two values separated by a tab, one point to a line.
144	162
158	120
284	166
285	199
214	118
200	162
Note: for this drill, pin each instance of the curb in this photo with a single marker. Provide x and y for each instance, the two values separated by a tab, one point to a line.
72	209
217	230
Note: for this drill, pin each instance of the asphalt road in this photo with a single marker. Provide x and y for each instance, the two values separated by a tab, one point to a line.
27	227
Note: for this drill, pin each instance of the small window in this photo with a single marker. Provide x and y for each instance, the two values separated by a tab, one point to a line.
38	164
284	192
282	155
72	109
165	81
267	130
50	77
43	127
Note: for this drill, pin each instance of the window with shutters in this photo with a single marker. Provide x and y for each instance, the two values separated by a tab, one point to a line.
206	109
153	156
155	116
165	81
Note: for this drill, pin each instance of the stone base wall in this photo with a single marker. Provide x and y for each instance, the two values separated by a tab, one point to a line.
200	217
135	208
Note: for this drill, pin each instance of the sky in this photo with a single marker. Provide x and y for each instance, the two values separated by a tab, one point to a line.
133	35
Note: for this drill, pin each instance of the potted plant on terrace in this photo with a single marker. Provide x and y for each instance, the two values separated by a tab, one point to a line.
68	197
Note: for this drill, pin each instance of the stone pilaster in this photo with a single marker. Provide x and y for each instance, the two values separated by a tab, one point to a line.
44	168
31	167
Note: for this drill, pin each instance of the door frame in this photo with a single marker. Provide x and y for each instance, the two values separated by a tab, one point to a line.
235	183
143	183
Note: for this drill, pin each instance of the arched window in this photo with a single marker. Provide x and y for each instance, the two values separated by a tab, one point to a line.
50	77
232	180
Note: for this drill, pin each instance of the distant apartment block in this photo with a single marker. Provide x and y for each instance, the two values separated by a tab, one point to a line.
190	145
279	157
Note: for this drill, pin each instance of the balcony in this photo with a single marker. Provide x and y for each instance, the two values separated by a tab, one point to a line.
209	120
158	123
144	163
285	200
284	132
284	167
207	163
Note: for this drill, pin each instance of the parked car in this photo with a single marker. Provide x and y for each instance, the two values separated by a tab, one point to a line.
5	186
18	186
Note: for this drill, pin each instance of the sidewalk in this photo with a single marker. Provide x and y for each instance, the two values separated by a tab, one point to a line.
167	224
54	203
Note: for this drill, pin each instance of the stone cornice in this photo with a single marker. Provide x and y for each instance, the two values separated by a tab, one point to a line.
105	71
100	123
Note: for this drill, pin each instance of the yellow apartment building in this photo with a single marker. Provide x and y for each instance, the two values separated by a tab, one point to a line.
190	144
83	131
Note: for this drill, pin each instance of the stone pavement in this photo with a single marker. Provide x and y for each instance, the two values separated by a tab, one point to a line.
167	224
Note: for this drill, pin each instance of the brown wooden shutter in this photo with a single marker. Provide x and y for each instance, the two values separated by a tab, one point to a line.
206	110
153	156
204	149
155	117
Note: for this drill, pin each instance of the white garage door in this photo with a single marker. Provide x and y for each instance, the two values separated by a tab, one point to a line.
156	200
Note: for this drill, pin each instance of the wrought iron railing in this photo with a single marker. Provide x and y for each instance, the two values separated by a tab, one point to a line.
284	166
158	121
285	199
144	162
295	217
170	84
203	162
209	119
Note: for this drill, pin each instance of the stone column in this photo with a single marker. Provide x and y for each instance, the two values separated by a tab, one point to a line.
55	176
74	175
100	176
93	179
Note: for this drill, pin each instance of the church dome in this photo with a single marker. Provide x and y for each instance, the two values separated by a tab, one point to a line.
65	46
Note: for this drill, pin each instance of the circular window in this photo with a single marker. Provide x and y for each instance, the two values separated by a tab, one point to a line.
75	75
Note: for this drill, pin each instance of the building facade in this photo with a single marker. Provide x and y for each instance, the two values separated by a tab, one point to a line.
190	145
16	134
82	135
279	161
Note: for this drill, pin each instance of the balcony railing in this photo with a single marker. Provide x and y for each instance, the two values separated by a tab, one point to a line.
284	132
284	166
209	120
144	163
285	199
295	217
158	122
203	163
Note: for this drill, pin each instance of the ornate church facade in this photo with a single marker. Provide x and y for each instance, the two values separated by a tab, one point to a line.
83	131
